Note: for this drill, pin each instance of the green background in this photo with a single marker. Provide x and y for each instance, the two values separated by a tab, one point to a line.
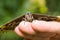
10	9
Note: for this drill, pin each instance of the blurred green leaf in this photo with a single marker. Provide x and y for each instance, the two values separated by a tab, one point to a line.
10	36
11	9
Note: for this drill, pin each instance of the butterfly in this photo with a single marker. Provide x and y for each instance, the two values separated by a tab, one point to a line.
27	17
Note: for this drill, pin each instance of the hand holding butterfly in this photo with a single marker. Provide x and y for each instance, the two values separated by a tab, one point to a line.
38	30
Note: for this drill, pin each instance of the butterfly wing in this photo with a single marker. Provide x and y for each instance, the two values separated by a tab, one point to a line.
12	24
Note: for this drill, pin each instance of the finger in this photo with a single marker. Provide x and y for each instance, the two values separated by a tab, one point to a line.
18	32
21	34
26	27
39	25
44	26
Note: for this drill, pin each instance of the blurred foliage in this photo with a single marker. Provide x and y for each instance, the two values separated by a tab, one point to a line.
10	36
10	9
53	7
38	5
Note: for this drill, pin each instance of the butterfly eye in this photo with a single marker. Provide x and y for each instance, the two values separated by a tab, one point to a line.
28	13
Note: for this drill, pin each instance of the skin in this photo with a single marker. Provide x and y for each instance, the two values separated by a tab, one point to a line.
38	30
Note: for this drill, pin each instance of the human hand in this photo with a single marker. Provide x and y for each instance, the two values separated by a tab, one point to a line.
38	30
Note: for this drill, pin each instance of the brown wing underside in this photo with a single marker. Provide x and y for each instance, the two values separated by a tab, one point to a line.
11	25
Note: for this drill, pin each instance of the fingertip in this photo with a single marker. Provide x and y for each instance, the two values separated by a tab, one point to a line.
18	32
21	23
39	25
26	27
